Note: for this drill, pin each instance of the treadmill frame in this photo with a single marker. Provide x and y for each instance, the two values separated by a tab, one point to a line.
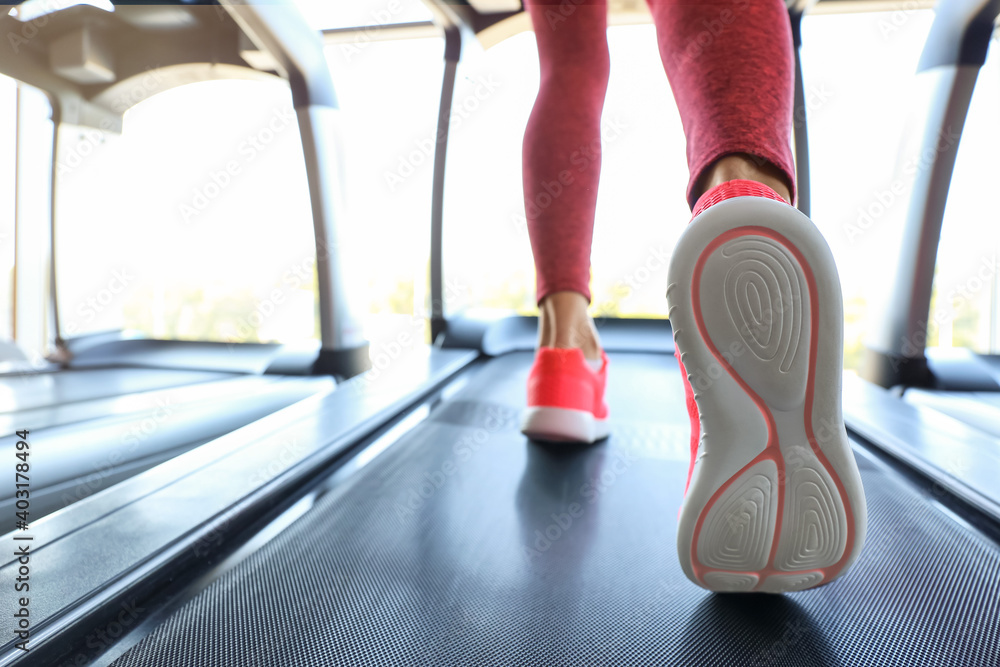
357	412
273	35
949	66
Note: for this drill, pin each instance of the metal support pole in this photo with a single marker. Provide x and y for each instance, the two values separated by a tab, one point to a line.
452	54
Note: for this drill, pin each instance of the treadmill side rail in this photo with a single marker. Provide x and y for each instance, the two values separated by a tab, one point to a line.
961	460
202	499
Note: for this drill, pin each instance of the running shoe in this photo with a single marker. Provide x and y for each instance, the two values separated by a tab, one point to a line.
566	397
774	501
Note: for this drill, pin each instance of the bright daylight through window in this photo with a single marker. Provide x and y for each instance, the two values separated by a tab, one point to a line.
208	232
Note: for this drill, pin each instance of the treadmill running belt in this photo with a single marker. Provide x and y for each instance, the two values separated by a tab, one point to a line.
463	544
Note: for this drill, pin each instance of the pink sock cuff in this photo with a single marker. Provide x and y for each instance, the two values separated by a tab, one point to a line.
735	188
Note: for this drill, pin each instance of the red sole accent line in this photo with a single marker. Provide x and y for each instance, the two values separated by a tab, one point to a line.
771	450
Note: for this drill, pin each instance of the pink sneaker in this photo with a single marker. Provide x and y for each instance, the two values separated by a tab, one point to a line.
566	397
774	501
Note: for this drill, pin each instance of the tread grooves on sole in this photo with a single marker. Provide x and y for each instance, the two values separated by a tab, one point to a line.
753	290
813	514
738	529
731	581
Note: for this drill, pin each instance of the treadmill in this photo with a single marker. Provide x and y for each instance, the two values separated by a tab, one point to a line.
403	519
106	406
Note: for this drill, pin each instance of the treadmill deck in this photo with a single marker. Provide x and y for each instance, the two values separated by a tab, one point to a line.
464	544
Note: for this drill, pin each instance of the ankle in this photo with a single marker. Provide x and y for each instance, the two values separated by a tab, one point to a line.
747	167
590	347
563	322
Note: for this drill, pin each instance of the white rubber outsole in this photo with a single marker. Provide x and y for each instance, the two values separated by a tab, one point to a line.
563	425
775	502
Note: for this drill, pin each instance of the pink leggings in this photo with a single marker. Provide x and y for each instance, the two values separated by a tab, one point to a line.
731	68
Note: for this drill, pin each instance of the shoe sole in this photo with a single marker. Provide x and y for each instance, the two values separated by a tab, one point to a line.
775	502
563	425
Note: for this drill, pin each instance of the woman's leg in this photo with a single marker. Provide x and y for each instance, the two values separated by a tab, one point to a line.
749	272
562	164
731	67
